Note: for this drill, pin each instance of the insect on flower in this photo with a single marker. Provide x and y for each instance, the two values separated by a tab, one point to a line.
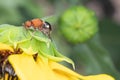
39	24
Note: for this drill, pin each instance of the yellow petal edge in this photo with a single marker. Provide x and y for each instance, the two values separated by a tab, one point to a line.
28	69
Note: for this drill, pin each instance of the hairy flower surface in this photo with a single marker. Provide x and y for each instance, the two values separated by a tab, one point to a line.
21	47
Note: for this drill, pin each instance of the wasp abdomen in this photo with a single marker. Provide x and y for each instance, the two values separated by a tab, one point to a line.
37	23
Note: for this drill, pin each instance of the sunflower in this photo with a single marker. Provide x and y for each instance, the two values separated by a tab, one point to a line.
29	55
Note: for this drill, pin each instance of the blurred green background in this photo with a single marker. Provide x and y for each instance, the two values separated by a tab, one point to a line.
98	53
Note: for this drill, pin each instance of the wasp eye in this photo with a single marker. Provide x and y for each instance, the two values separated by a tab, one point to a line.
47	26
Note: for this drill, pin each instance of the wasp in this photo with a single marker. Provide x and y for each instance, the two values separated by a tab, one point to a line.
39	24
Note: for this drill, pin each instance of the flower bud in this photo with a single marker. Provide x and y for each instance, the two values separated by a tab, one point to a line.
78	24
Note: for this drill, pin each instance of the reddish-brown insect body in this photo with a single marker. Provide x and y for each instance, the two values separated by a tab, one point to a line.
35	23
27	24
39	24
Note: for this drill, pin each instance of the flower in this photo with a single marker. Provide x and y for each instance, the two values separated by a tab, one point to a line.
18	57
39	70
27	68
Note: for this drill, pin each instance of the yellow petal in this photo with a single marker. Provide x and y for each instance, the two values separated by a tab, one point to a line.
5	47
58	68
99	77
26	68
48	71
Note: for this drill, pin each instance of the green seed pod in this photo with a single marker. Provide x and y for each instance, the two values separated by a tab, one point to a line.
78	24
